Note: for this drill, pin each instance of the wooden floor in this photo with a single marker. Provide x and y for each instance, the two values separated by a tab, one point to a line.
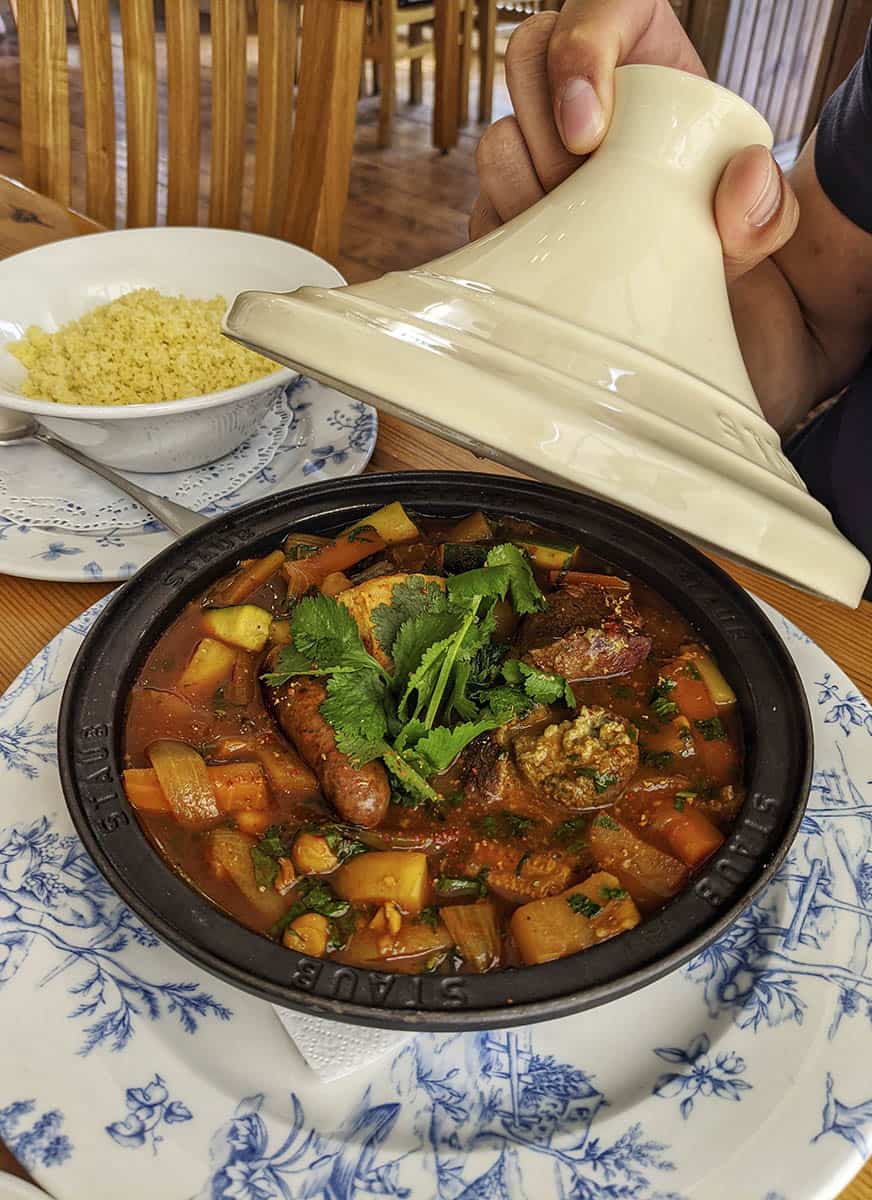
407	204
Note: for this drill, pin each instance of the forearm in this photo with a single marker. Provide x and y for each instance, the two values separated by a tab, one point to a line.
804	317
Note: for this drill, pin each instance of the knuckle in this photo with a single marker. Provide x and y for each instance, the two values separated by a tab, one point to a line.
497	143
530	39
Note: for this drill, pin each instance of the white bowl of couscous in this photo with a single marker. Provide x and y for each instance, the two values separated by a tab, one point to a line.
113	340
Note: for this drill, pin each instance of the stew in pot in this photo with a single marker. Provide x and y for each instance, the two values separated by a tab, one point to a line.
426	746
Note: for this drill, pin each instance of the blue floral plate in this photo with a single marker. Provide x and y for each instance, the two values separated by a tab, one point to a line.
743	1076
326	436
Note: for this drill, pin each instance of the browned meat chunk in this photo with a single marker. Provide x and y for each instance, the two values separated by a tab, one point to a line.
518	877
591	654
493	781
359	794
586	633
583	763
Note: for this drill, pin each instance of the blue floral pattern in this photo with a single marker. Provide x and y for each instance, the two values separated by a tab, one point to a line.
700	1074
358	423
848	711
149	1109
525	1107
853	1122
42	1143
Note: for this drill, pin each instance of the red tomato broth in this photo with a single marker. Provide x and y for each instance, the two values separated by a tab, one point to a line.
490	836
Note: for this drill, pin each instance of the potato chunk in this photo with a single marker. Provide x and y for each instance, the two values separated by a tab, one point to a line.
383	875
560	925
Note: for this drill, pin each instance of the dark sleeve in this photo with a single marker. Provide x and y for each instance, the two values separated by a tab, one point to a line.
843	151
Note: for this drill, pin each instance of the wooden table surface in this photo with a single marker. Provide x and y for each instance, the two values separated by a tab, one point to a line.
42	609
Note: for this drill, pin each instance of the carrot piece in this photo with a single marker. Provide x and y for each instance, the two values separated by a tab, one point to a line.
343	552
689	692
239	688
587	579
335	582
143	791
236	787
251	575
687	832
649	875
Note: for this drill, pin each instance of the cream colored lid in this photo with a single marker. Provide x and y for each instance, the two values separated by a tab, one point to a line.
589	342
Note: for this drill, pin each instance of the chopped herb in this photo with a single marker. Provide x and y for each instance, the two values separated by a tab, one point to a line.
572	833
448	885
428	916
340	839
504	826
310	895
341	929
266	854
541	687
602	780
678	803
361	533
692	671
712	730
659	759
613	893
604	821
583	905
664	708
519	868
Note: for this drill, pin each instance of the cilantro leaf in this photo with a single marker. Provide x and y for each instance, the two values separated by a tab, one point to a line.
579	903
409	599
572	833
507	703
289	662
310	895
413	788
439	747
489	581
462	885
525	592
712	730
340	838
541	687
355	707
484	671
324	632
265	856
415	637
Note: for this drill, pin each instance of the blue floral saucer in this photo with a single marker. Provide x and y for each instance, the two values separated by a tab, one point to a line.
743	1076
326	436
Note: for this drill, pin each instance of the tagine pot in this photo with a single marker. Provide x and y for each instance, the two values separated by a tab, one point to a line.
590	341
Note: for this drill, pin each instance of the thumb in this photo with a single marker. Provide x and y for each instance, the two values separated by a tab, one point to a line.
755	209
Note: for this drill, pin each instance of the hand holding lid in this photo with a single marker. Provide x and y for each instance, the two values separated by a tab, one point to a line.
590	341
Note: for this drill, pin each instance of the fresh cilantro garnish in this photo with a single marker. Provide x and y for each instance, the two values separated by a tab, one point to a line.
355	707
266	853
411	598
691	670
361	533
660	759
341	929
508	703
613	893
525	593
541	687
604	821
678	803
310	895
602	780
504	826
712	730
583	905
340	838
461	885
664	708
428	916
325	641
572	833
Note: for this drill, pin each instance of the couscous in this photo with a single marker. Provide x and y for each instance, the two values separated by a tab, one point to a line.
141	348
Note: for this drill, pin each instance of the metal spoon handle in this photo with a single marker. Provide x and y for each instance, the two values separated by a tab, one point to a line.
178	520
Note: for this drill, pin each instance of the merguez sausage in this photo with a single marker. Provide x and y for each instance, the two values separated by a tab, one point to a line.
359	794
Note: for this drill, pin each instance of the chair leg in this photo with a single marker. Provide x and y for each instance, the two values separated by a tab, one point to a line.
388	74
416	66
467	18
487	33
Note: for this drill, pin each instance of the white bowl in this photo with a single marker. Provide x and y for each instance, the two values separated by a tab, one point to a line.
62	281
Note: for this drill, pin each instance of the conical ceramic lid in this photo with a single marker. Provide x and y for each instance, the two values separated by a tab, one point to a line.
590	342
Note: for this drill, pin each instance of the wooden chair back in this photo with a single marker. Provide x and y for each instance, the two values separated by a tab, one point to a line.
301	160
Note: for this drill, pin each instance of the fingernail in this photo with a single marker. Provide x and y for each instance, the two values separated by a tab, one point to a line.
766	205
581	116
